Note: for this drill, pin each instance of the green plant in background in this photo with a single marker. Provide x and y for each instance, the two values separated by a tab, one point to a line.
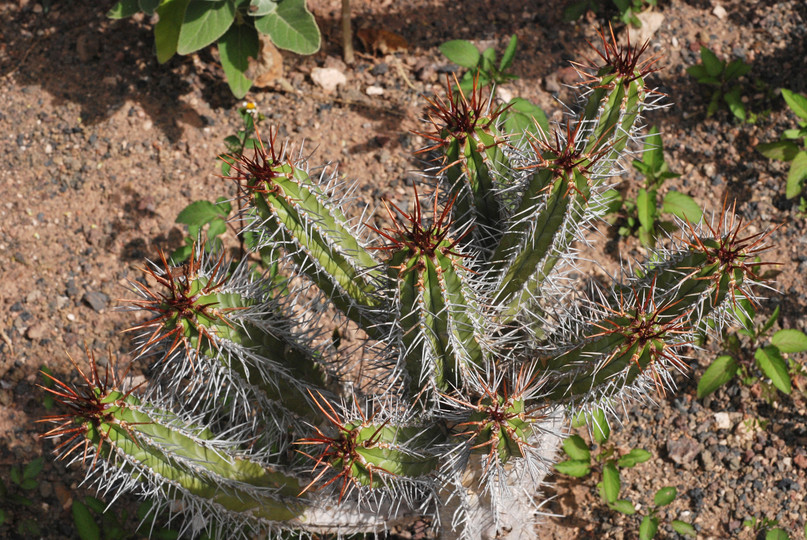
22	479
186	26
116	525
626	9
521	116
722	76
608	462
422	364
642	213
769	526
792	147
767	354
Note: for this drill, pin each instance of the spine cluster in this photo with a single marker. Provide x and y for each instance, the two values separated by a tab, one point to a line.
469	340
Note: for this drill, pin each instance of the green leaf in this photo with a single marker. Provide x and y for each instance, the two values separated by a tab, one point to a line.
600	429
181	254
16	477
461	52
199	213
488	60
204	23
291	26
572	467
575	10
699	72
576	448
235	48
682	206
722	370
623	506
771	363
612	200
776	534
736	69
533	112
509	54
653	154
735	103
86	527
790	340
610	482
217	227
166	31
123	9
95	504
148	6
713	65
33	469
782	150
634	457
796	175
683	528
796	102
646	209
665	496
769	324
258	8
648	528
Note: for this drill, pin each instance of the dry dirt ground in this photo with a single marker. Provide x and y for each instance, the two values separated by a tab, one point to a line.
101	147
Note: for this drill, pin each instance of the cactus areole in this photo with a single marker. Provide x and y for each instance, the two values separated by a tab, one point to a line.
470	346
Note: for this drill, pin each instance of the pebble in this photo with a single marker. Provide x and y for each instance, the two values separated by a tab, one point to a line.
36	331
683	451
96	300
328	78
723	421
374	91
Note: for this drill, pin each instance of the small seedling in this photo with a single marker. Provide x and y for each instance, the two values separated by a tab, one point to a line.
722	76
767	354
772	532
235	26
792	147
521	115
609	461
642	213
626	9
23	479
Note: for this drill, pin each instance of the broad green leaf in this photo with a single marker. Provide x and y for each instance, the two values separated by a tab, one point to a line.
235	48
665	496
204	23
95	504
722	370
648	528
86	527
735	103
776	534
683	528
123	9
509	54
682	206
574	11
224	206
217	227
713	65
714	103
148	6
291	26
258	8
790	341
532	111
634	457
33	469
576	448
699	72
574	468
610	482
796	175
624	506
646	209
782	150
166	31
796	102
612	200
599	426
199	213
488	60
771	363
461	52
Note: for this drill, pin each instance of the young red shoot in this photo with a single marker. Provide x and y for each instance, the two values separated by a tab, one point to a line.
624	61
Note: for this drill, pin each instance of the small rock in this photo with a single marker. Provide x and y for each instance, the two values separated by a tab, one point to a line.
380	69
96	300
374	91
551	84
722	420
719	12
64	495
45	488
328	78
36	331
33	296
71	290
651	22
800	461
684	450
707	460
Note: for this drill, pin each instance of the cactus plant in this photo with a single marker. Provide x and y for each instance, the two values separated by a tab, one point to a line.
468	339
